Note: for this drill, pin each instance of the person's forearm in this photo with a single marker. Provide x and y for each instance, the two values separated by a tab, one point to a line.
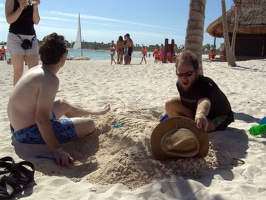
14	16
203	107
47	132
36	16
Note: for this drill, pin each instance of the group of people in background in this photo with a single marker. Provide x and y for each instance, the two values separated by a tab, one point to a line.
159	55
124	48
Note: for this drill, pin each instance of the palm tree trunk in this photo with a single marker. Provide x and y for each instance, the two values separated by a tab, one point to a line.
195	29
229	56
237	14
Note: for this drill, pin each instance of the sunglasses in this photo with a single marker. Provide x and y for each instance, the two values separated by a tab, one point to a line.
187	74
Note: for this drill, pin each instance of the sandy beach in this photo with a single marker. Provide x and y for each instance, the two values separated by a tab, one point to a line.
117	163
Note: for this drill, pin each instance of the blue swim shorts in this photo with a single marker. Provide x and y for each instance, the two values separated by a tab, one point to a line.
64	130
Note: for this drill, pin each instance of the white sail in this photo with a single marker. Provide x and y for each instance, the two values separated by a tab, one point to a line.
77	44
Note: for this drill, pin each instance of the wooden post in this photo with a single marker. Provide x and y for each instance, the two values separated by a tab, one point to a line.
263	47
165	50
168	48
172	49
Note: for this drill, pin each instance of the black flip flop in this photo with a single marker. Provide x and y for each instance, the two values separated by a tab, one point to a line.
20	175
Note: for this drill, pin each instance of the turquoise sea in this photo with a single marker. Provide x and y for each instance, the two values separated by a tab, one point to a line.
105	54
96	55
101	55
92	54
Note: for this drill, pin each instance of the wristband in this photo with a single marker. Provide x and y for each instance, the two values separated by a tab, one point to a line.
200	112
59	149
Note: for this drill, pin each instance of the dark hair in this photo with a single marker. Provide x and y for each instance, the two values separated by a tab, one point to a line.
52	48
120	38
128	35
188	57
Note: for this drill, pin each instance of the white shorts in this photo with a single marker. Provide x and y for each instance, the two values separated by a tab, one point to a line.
14	44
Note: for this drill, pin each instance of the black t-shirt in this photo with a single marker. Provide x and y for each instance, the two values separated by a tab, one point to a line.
205	87
24	24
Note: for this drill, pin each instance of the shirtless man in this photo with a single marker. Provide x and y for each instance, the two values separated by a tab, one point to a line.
129	48
33	112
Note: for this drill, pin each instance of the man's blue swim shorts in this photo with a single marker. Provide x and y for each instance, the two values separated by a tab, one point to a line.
64	130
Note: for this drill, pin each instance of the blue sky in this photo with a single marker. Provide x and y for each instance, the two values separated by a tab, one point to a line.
148	21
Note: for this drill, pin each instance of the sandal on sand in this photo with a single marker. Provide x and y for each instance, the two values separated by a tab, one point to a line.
20	175
5	164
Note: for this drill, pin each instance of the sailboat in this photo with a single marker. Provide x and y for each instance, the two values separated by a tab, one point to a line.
78	44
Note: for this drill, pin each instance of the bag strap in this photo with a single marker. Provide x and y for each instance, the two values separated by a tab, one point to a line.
22	40
33	38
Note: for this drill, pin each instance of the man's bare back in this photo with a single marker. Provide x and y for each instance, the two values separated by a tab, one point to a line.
23	101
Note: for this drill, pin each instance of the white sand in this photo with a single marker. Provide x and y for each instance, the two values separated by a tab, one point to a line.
116	163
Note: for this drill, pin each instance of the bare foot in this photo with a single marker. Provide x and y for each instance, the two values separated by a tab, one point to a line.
105	110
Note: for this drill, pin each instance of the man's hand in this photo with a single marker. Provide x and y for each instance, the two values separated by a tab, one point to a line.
201	121
63	158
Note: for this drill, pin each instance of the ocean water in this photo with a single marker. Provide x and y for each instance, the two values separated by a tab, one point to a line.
92	55
101	55
105	55
96	55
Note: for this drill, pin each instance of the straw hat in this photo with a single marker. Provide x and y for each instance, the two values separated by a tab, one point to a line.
178	137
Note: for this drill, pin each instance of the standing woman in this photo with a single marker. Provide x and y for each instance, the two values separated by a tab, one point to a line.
112	48
120	50
22	43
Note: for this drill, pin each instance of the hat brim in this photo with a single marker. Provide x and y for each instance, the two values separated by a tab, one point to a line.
177	122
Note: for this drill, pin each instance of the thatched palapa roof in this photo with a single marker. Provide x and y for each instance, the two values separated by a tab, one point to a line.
252	19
